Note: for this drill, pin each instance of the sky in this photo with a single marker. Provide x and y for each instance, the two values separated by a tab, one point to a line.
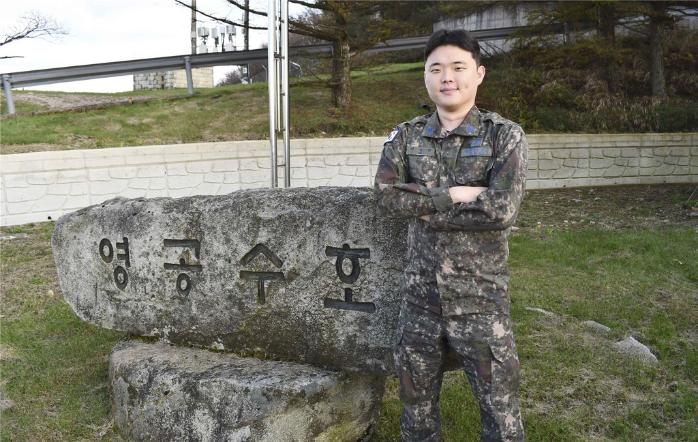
112	30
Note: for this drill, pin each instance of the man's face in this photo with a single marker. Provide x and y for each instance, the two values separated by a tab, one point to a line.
452	77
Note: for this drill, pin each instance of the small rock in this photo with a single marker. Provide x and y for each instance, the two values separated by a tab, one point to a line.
514	229
595	326
540	310
632	347
5	404
13	236
673	386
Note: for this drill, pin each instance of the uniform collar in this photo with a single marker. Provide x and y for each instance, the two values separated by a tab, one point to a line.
469	127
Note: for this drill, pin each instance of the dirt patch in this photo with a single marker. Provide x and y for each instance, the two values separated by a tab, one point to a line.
612	208
63	102
7	353
25	148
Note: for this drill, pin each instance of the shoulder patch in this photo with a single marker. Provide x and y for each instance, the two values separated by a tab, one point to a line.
392	135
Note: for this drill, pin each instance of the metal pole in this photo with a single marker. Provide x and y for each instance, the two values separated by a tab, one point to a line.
190	80
246	29
273	89
8	94
193	26
284	92
277	66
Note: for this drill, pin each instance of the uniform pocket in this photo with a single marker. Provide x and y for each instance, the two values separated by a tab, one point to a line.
472	165
423	164
505	366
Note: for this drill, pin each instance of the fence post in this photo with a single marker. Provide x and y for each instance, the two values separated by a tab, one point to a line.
190	81
8	94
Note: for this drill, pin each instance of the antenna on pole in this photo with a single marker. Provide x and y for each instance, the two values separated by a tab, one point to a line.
277	78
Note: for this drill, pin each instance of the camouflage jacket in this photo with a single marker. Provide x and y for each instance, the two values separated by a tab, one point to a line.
463	247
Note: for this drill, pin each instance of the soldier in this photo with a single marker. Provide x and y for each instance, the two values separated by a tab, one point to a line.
458	174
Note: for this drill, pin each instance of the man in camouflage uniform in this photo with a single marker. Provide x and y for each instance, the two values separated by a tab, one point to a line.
458	174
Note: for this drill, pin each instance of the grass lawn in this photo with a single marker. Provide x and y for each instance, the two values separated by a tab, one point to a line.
237	112
382	97
626	257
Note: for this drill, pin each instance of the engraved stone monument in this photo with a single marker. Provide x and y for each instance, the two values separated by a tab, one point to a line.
306	276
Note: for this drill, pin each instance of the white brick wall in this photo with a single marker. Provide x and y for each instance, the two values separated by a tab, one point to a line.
201	78
36	186
575	160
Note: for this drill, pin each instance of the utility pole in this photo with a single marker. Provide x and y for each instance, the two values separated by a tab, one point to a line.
193	26
246	30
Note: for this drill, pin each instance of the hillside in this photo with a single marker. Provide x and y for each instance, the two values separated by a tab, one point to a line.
555	90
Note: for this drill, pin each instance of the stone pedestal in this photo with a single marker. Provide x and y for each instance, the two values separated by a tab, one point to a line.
166	393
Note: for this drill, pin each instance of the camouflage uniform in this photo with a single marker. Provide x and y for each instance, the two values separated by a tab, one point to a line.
455	283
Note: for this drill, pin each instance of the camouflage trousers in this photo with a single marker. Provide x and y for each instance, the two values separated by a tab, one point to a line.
484	343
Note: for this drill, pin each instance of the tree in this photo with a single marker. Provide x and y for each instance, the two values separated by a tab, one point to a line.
652	20
32	25
662	17
234	76
350	27
575	17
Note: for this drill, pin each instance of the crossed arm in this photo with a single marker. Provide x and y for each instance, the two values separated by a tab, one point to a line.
458	207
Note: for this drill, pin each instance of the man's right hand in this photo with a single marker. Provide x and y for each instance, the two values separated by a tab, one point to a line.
465	194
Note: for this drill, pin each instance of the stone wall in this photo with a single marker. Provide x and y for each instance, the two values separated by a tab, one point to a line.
202	77
576	160
44	185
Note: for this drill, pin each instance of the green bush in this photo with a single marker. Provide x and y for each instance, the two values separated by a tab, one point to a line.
677	117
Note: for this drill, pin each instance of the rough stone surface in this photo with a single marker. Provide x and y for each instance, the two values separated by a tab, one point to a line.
632	347
597	327
181	270
166	393
540	310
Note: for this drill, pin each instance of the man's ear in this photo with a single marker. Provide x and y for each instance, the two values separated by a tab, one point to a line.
480	74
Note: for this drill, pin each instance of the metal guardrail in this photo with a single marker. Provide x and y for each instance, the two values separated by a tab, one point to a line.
187	62
114	69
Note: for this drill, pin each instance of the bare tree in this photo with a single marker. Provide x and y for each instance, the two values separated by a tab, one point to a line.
32	25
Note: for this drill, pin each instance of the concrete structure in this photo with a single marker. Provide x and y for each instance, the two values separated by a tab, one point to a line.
202	77
496	17
44	185
168	393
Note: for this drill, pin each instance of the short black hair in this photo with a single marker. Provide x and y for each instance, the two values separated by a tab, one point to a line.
462	39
